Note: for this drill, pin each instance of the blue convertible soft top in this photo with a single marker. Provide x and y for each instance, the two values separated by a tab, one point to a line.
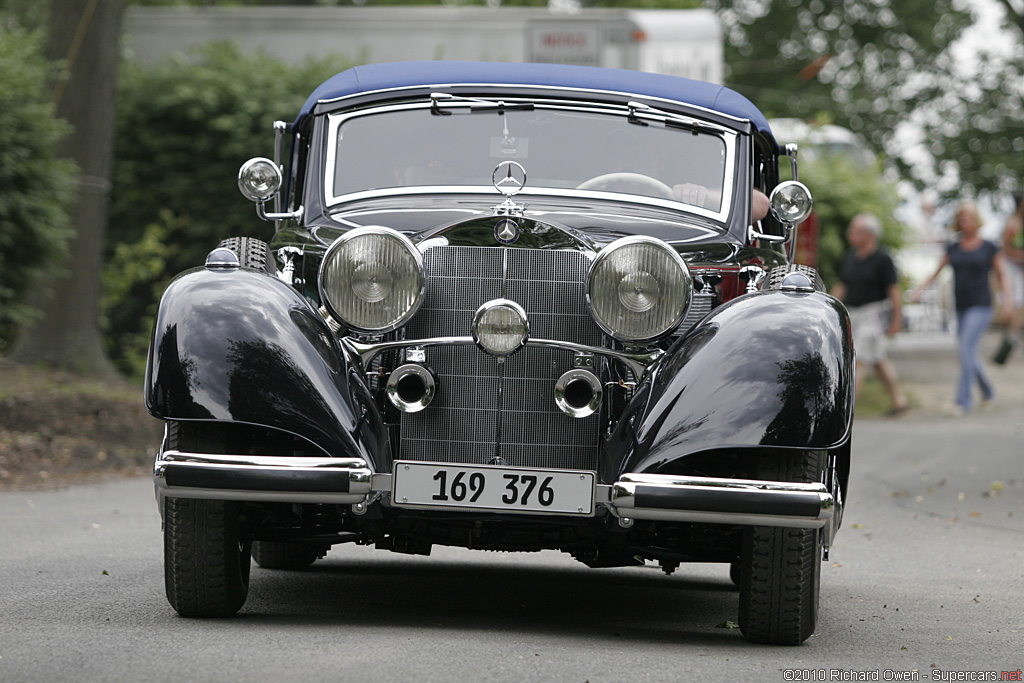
373	77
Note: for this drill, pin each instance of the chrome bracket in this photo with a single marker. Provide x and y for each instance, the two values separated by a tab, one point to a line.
508	208
754	235
753	276
261	211
791	151
583	360
286	255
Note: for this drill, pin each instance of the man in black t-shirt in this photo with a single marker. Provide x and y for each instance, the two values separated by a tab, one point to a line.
870	289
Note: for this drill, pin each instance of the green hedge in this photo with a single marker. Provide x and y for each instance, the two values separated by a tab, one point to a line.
184	127
36	189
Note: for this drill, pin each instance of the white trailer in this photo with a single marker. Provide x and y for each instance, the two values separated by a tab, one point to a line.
679	42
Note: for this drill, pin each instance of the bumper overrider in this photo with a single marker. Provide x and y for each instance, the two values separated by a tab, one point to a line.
632	497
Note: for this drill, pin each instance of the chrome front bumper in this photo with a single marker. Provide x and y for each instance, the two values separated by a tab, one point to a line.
633	497
262	478
747	502
722	501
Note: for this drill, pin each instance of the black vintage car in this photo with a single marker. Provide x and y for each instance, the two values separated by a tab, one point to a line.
509	307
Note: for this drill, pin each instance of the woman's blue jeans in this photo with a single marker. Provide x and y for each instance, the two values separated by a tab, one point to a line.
971	325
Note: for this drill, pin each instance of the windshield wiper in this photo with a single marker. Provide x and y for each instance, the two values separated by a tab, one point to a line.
440	101
639	113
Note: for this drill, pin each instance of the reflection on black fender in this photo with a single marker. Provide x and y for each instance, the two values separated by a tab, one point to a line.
241	346
768	369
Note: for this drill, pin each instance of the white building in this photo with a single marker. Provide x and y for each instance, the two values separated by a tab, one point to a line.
679	42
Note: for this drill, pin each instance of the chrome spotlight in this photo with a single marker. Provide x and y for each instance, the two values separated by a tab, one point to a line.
791	202
259	179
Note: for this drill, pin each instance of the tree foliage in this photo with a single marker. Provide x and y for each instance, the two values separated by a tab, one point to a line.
935	84
635	4
37	187
185	126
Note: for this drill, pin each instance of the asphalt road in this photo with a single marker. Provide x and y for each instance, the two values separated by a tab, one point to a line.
926	578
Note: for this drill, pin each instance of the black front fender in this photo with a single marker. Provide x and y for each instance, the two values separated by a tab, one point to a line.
771	369
240	346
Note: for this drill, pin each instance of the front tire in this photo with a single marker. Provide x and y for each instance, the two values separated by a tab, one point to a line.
206	560
780	567
206	556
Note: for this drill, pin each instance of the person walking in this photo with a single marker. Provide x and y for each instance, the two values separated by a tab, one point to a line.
973	260
869	287
1013	252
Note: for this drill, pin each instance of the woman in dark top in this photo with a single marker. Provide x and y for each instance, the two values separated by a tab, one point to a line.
973	259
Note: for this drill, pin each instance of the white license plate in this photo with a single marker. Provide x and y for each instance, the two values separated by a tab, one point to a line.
486	487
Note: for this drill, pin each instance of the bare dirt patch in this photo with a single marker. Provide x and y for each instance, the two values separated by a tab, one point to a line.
58	429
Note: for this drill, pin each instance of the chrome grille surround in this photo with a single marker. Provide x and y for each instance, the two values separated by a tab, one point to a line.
477	396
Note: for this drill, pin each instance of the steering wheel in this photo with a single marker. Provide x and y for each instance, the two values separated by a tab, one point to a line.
626	181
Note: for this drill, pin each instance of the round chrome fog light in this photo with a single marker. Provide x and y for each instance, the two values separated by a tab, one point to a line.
500	327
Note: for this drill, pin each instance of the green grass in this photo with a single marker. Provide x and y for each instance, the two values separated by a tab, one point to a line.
874	399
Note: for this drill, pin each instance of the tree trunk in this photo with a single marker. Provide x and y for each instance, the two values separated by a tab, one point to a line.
85	36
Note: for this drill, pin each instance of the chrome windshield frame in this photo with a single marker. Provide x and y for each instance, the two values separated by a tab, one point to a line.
628	112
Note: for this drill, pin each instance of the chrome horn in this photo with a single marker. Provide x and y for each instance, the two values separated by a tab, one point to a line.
578	393
411	387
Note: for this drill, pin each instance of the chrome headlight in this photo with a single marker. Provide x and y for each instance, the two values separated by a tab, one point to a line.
638	289
372	279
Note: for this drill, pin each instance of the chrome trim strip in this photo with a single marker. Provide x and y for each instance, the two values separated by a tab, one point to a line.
534	191
280	128
248	496
263	460
720	482
638	363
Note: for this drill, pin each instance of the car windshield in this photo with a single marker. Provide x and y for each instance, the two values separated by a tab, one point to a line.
561	149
